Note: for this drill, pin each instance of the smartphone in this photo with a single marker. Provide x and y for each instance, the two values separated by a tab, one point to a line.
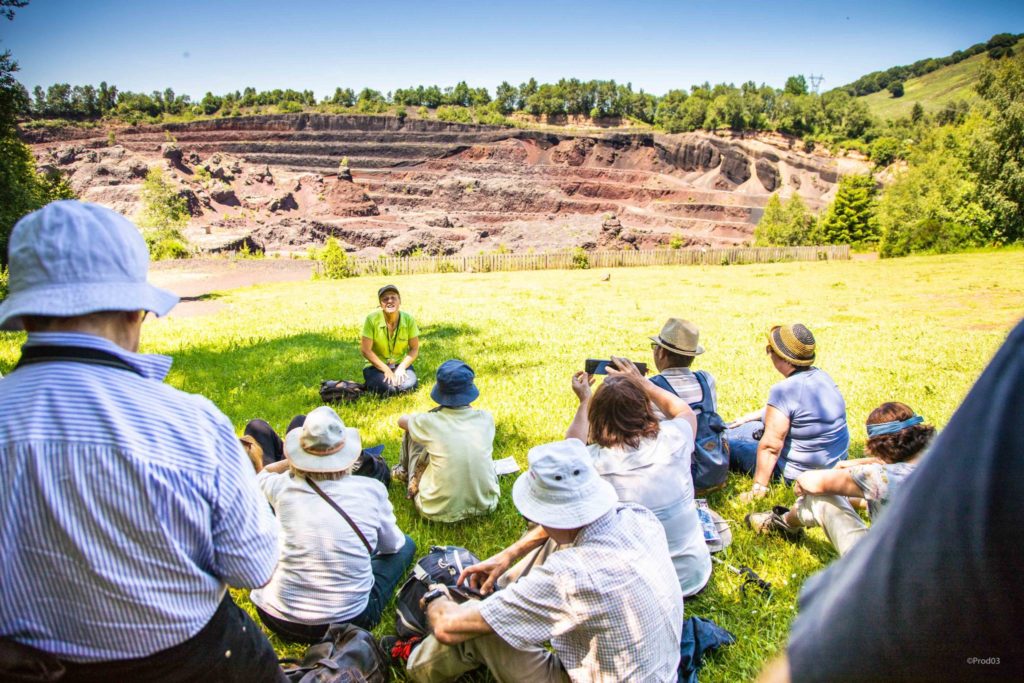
593	366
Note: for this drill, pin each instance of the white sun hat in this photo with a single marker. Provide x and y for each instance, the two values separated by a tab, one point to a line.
561	489
71	258
323	443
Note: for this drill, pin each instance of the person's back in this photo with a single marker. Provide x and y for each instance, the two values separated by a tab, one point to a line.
818	434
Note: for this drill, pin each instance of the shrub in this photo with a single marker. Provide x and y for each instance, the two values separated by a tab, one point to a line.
164	215
676	242
335	262
454	114
3	283
166	245
111	139
423	113
580	259
289	107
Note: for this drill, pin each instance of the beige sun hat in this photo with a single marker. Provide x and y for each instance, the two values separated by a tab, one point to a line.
323	443
679	336
561	489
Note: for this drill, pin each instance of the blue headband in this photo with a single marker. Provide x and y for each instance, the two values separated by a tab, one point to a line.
892	427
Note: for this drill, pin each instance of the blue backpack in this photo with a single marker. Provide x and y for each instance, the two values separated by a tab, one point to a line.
710	465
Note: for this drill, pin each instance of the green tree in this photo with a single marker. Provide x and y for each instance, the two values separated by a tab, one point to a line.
786	225
164	215
772	223
896	88
917	113
884	150
850	219
796	85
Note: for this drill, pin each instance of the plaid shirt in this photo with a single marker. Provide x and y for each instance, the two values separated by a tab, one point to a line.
610	603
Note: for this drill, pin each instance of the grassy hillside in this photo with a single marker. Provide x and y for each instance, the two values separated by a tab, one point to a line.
918	330
932	90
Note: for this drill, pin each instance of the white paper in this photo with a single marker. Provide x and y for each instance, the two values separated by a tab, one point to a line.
506	466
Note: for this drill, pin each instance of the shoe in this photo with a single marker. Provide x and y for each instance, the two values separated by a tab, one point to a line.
398	473
774	522
397	651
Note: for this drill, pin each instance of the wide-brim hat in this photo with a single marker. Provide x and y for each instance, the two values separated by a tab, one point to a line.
454	385
680	337
561	489
323	443
792	343
72	258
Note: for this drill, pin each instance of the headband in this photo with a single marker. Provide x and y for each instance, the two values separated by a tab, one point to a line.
881	428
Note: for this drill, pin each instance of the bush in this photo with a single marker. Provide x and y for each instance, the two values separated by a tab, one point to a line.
3	283
454	114
335	262
580	259
164	215
885	150
166	244
289	107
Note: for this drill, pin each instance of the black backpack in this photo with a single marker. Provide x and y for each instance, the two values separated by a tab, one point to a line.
347	654
710	465
441	564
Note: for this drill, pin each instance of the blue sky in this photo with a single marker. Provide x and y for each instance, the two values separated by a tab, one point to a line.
222	45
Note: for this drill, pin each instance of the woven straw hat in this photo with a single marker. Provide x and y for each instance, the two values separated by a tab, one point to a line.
680	337
792	343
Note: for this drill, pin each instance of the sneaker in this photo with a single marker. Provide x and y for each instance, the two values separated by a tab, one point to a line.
398	473
774	522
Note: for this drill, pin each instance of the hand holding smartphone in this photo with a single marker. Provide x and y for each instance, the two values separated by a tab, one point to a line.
594	366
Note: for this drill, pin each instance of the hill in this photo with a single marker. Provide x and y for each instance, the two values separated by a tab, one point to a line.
933	90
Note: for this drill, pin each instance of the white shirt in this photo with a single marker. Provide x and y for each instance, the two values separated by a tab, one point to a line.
324	574
657	475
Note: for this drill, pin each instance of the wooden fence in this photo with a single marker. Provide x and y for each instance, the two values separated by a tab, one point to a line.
569	259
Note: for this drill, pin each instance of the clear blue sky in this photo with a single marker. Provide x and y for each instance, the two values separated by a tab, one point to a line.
221	45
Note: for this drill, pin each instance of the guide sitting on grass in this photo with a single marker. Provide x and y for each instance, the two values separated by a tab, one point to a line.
446	453
607	600
896	438
129	506
390	344
803	425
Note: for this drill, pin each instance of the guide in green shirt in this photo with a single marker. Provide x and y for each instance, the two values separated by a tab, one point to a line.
390	344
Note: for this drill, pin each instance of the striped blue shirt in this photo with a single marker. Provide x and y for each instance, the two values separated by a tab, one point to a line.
125	507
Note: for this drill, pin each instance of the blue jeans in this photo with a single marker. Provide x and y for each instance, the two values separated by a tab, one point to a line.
388	570
743	449
375	383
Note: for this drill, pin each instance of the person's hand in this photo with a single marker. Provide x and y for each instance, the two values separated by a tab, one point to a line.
798	490
625	367
756	492
581	383
434	586
399	374
389	376
738	421
482	575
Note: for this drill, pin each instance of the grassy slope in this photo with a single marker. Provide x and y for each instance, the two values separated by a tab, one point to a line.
917	330
932	90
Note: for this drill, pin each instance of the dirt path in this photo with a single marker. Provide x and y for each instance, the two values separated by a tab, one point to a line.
195	279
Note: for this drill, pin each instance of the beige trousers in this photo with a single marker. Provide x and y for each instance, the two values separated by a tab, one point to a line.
841	523
434	662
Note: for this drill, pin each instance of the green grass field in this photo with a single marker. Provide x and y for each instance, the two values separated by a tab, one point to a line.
933	90
918	330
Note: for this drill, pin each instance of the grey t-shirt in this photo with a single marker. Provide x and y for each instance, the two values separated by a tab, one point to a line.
818	437
934	592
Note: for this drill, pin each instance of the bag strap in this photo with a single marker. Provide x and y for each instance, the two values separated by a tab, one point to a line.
662	383
35	355
319	492
706	404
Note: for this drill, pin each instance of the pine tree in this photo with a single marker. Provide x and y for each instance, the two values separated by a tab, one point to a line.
772	225
851	217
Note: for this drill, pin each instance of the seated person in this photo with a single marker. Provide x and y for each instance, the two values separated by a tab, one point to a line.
326	573
896	439
446	453
621	620
675	349
647	461
803	425
390	344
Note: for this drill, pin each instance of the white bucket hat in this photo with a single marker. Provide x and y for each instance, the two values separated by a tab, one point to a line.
71	258
561	489
323	443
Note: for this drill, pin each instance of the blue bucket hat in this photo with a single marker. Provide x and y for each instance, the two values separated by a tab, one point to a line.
454	385
72	258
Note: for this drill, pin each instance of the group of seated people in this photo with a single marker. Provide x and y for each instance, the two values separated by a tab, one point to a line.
147	488
631	440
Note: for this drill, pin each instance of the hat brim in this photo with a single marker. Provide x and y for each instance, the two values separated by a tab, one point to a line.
661	342
462	398
336	462
65	301
566	514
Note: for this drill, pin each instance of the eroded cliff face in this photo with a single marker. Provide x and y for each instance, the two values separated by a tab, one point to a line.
274	182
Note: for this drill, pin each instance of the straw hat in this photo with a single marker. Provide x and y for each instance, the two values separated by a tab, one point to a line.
71	258
680	337
793	343
561	489
323	443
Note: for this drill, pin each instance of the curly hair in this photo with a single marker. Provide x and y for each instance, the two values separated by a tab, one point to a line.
902	445
620	414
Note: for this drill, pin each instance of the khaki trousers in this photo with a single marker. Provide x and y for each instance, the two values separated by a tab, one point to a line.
841	523
434	662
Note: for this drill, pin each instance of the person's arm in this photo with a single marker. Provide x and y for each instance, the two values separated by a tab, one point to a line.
857	462
483	575
839	482
279	467
409	359
579	428
670	405
366	348
403	422
769	448
749	417
453	623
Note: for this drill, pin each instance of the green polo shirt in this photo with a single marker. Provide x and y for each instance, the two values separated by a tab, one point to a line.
390	348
